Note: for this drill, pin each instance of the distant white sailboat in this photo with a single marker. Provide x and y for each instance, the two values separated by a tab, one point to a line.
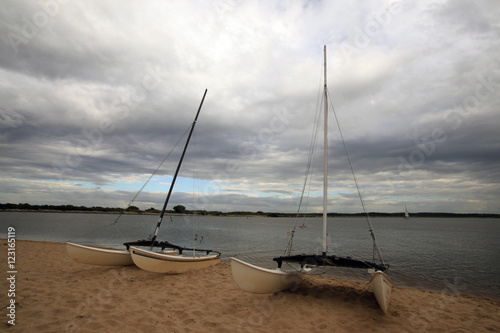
407	216
256	279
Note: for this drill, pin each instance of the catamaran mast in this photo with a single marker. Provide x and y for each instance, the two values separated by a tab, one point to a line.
176	172
324	259
325	163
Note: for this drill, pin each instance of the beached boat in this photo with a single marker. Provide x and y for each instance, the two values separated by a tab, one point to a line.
172	263
96	255
159	262
256	279
103	256
381	287
261	280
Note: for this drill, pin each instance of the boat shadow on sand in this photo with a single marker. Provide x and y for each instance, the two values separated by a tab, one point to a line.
335	293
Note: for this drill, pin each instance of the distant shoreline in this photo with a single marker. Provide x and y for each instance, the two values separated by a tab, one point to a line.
258	214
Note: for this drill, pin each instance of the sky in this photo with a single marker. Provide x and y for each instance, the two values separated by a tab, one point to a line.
94	95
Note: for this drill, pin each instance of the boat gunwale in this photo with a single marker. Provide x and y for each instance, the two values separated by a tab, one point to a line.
100	248
172	258
266	270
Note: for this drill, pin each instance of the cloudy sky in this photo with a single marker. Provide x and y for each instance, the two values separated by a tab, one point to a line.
94	94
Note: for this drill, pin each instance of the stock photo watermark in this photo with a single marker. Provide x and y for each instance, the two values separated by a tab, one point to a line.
266	135
225	6
30	27
485	87
10	118
93	139
95	303
422	317
248	151
363	36
263	309
11	276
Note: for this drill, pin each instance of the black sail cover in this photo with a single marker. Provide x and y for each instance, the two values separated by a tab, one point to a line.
328	260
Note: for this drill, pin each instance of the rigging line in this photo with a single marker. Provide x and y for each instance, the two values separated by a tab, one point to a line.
160	219
372	234
265	242
137	194
308	172
195	193
260	244
310	159
290	242
98	228
312	145
314	138
151	176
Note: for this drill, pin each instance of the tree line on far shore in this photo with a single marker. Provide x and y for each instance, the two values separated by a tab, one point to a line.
180	209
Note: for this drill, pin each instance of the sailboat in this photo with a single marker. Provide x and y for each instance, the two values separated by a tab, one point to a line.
105	256
171	259
180	262
407	216
256	279
96	255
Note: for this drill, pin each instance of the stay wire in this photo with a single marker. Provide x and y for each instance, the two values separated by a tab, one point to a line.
314	140
151	176
141	189
309	166
372	234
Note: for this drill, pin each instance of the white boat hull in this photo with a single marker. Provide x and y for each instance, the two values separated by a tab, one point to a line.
165	263
93	255
382	287
260	280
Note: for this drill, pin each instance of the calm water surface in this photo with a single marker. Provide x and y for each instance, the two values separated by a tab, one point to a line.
452	255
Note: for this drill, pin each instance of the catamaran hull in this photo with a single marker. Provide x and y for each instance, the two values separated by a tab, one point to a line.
260	280
170	264
93	255
382	287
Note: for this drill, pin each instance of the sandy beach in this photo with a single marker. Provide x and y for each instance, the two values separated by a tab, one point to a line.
55	294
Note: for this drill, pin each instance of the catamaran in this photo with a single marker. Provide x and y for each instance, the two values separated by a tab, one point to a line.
257	279
170	259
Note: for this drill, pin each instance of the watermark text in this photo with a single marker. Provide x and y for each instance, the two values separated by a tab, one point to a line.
11	275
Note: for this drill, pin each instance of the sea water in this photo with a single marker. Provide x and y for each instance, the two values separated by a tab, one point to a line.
453	255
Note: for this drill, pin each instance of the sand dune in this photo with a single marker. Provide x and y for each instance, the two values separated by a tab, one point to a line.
56	294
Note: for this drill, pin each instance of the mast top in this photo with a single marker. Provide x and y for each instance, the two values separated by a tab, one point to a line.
324	60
